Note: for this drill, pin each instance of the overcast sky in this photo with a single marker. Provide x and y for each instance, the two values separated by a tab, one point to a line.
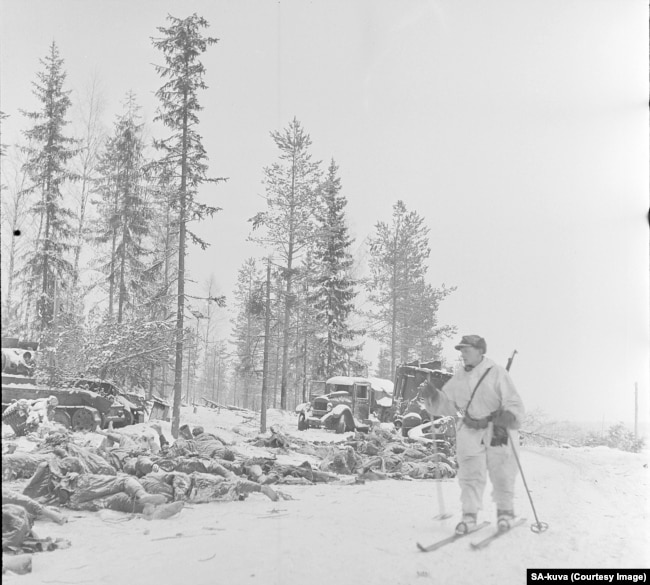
517	128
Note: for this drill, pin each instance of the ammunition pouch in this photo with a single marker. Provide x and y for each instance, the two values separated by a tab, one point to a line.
476	423
499	436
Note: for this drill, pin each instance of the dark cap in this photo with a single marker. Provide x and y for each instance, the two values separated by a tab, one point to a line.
473	341
185	432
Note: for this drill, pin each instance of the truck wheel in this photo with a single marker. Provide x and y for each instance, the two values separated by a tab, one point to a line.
128	418
302	422
83	419
341	426
63	418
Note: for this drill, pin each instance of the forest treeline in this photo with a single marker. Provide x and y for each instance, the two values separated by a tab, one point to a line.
97	225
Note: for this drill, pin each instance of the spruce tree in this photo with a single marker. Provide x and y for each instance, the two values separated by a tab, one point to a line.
124	214
48	154
182	44
333	287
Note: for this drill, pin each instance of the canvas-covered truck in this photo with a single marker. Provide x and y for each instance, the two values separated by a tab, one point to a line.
350	403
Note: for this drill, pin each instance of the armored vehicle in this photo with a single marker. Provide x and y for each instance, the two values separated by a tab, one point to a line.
74	407
349	403
134	404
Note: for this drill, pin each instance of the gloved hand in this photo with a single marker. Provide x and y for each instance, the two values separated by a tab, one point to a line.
504	419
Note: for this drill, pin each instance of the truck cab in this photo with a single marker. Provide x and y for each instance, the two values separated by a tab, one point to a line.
349	403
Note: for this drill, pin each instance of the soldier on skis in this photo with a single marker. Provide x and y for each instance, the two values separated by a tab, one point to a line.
490	409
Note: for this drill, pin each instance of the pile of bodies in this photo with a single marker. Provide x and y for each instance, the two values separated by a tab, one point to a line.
145	474
378	454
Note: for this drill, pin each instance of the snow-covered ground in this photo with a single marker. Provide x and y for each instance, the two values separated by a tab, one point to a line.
595	501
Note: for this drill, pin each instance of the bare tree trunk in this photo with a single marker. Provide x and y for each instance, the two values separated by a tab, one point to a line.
267	332
288	301
189	361
330	342
304	370
219	379
45	306
393	328
122	288
214	368
166	277
277	370
152	372
249	344
180	314
10	280
111	276
205	381
285	340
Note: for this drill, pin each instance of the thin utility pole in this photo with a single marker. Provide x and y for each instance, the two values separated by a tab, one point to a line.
636	410
267	330
219	378
214	369
189	361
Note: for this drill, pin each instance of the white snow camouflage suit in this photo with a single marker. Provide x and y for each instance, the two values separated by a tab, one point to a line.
476	458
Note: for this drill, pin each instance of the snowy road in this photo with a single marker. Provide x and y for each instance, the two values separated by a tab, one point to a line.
594	500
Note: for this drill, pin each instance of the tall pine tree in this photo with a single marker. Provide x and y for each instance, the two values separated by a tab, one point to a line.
291	189
48	154
182	44
404	317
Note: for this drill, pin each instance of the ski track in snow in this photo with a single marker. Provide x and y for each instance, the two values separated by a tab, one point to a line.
594	500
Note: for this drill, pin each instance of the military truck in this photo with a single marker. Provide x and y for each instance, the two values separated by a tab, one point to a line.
349	403
76	408
408	404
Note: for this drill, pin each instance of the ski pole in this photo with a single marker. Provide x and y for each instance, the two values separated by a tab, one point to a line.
443	515
538	527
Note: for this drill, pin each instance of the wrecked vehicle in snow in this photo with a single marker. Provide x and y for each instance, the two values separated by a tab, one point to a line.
409	410
350	403
78	406
134	404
